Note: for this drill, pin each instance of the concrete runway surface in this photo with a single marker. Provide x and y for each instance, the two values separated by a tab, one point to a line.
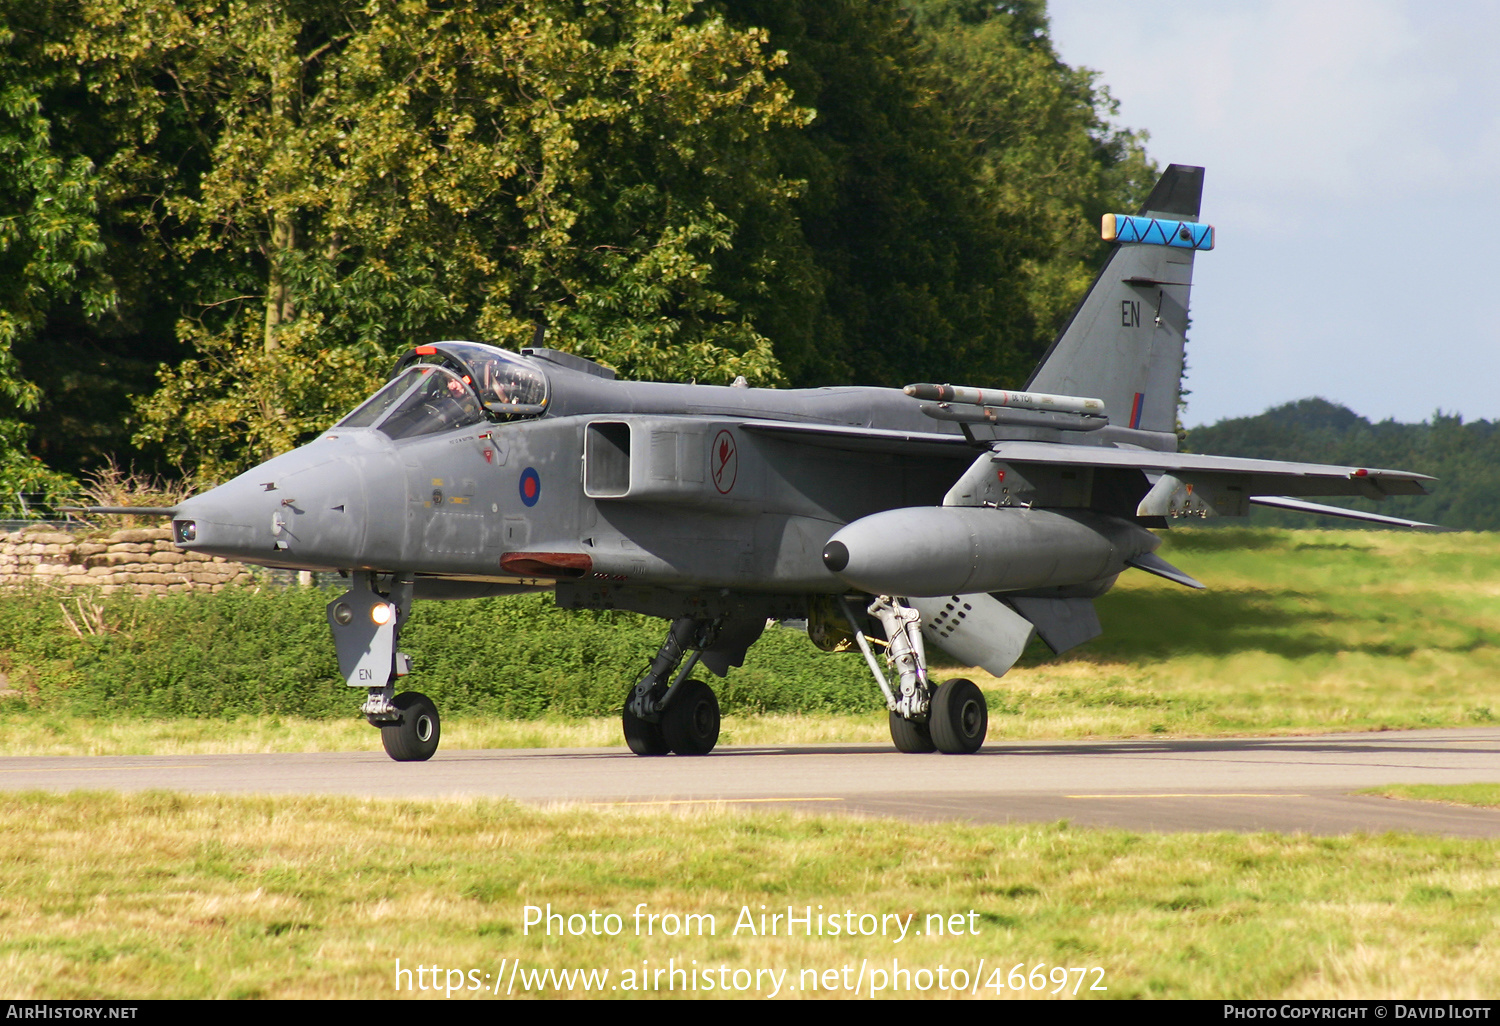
1290	784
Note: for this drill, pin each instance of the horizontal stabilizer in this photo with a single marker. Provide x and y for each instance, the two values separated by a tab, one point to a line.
1154	564
1299	506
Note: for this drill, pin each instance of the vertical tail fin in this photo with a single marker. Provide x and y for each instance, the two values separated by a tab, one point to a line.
1124	342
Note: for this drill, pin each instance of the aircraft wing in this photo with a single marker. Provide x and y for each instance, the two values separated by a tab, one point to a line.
1256	477
1261	477
1227	484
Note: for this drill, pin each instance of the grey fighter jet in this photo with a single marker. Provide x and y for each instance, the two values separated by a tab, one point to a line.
964	517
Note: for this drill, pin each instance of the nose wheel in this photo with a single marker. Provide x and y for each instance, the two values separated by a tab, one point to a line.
413	737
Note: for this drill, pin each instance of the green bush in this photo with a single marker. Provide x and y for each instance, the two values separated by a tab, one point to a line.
246	651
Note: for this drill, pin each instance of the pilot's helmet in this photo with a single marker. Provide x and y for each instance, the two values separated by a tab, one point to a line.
494	382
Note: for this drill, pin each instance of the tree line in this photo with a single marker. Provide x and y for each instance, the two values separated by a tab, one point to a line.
1464	457
221	221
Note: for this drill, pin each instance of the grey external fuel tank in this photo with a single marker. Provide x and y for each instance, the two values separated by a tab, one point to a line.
948	550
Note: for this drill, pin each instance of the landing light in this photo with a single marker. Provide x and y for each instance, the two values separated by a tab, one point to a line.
187	531
381	614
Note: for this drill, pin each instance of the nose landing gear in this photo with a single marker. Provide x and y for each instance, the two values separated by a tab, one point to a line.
366	621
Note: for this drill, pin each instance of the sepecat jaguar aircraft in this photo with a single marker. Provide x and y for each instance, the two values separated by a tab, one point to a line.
964	517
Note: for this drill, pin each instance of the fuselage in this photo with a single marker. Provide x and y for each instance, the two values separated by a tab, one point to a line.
604	484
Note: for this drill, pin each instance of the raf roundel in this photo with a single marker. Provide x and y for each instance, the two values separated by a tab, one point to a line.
531	486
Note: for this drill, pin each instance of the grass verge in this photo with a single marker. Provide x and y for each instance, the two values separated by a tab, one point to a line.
1482	795
160	895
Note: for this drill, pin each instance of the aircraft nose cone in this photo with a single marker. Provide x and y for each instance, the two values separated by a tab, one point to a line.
232	520
304	509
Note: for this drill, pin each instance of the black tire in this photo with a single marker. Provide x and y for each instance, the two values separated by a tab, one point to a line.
959	717
690	724
643	736
911	737
414	737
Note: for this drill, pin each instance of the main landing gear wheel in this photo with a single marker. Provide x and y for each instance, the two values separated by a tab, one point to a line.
911	737
958	717
414	737
643	736
690	724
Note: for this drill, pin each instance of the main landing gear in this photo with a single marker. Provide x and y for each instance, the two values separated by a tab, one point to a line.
951	718
681	716
366	622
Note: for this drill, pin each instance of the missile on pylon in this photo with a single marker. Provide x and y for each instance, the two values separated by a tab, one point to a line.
1040	401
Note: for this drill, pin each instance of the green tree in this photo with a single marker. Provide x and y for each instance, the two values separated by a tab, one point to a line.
377	174
1049	159
906	276
292	192
956	172
50	248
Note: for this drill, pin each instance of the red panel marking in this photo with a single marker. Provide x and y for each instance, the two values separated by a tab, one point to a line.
546	564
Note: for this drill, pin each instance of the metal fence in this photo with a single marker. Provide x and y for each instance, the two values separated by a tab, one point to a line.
32	509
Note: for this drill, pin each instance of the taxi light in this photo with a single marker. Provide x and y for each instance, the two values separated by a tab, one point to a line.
381	614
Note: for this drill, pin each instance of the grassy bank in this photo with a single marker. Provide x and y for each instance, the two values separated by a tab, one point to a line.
1482	795
161	896
1299	631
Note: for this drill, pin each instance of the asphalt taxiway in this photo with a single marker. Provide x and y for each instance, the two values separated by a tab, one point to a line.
1301	784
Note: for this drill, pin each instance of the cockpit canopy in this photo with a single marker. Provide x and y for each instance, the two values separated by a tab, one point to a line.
450	385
